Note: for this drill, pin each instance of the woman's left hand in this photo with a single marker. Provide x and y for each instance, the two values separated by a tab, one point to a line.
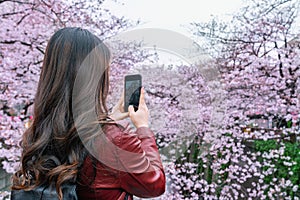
118	110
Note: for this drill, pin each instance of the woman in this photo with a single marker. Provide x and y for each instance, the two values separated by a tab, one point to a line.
72	136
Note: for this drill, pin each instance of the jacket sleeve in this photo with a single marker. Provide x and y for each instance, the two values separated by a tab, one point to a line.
141	171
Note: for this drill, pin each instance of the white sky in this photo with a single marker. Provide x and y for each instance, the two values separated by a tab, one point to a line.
172	14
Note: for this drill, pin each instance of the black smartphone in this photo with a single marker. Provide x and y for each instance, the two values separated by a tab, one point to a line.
132	91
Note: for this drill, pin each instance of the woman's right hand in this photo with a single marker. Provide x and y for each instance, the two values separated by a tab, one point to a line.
140	118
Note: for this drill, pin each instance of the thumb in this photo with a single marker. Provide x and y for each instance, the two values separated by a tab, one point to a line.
131	110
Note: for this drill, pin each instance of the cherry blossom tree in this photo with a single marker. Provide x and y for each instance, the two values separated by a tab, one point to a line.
26	27
257	54
260	65
29	24
259	68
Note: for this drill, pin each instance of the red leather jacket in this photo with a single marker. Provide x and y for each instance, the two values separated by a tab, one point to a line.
128	164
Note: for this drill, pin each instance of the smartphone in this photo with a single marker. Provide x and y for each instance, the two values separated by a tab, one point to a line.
132	91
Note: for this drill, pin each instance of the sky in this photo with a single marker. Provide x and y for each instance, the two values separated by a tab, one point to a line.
174	15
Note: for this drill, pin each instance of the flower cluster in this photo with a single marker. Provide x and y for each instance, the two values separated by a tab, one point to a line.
250	152
28	27
259	65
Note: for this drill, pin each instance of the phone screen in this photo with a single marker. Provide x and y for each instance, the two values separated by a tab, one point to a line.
133	84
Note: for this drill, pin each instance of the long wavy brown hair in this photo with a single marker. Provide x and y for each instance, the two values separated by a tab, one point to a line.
73	85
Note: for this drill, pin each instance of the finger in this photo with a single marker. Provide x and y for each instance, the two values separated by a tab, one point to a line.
131	110
121	107
142	97
123	115
121	100
117	107
122	95
119	116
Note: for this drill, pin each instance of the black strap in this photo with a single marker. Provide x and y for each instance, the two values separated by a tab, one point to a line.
45	192
126	196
